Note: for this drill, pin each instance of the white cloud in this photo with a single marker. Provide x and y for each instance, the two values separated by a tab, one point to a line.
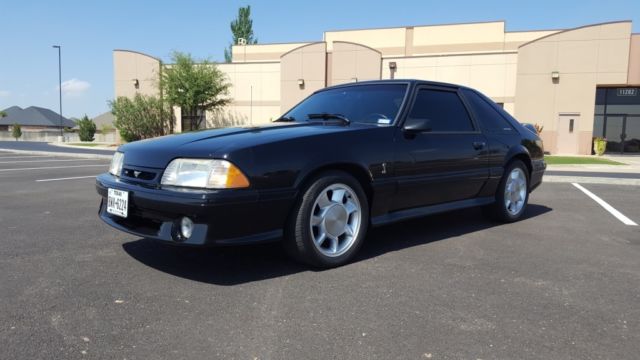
74	87
5	93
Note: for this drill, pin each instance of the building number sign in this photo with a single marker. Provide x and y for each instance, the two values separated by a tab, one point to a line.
627	92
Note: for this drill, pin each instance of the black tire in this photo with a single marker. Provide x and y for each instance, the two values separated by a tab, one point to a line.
298	239
498	210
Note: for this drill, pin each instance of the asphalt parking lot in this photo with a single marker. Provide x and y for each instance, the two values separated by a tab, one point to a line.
564	283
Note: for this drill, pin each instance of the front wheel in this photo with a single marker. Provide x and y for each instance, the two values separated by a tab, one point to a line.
512	195
329	222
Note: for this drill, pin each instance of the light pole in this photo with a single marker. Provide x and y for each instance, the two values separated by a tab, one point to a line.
60	82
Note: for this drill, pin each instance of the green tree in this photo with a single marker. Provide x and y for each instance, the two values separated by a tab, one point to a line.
16	132
141	117
195	88
2	114
241	27
87	129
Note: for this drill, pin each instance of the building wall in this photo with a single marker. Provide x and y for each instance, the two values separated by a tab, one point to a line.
437	39
306	63
633	77
513	68
492	74
255	94
390	42
262	52
583	57
349	62
131	66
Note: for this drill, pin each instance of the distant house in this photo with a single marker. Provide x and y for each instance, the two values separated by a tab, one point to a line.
33	118
105	119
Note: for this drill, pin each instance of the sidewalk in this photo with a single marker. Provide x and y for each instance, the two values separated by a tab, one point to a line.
628	174
632	165
98	146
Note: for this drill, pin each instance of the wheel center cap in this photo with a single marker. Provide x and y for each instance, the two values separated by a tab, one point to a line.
335	220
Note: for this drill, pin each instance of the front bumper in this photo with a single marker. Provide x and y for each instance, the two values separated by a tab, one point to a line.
221	217
537	171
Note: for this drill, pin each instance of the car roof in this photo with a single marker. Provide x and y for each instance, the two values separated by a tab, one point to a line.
395	81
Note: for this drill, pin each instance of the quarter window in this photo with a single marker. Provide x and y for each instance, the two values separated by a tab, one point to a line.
490	119
444	110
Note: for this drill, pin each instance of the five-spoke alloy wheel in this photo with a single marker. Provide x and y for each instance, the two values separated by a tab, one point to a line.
512	194
335	219
329	222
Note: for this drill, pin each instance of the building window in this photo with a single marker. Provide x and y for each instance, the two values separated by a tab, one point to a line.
617	118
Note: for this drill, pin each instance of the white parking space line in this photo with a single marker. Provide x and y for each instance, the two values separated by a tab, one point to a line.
620	216
47	160
67	178
24	156
54	167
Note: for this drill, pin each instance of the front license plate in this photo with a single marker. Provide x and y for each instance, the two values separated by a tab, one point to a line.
118	202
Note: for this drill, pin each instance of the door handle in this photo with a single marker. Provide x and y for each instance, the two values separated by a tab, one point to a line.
479	145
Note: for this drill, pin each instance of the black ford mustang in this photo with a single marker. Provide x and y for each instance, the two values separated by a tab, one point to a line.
346	158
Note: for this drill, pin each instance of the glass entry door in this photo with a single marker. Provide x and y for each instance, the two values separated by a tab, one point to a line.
622	132
613	132
632	134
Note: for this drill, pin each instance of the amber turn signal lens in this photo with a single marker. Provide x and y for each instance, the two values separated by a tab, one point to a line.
235	178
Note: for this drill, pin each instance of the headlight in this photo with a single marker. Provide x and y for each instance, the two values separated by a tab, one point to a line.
116	164
200	173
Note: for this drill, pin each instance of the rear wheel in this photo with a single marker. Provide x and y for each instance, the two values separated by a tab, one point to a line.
512	195
329	222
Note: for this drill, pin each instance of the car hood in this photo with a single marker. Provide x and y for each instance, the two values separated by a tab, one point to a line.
218	143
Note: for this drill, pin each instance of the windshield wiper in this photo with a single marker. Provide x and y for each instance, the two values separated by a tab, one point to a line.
328	116
285	119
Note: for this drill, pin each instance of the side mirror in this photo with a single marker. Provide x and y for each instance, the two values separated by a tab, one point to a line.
414	126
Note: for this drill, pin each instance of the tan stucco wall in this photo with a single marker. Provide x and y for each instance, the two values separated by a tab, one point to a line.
513	68
633	77
492	74
512	40
255	92
306	63
129	66
353	62
584	57
437	39
389	41
458	38
262	52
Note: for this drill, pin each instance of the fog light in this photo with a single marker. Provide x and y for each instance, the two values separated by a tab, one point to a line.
186	227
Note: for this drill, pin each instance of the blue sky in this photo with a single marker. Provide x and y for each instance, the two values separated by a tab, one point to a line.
89	30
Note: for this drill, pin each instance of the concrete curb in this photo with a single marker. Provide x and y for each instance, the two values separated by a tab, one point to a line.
63	154
590	180
62	145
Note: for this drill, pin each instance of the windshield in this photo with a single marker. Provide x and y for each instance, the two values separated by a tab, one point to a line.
371	104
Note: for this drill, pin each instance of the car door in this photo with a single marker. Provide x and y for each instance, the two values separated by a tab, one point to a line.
445	159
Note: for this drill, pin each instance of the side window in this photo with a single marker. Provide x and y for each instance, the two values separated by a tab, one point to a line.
444	110
490	119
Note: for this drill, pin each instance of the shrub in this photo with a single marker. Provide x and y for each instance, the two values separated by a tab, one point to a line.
599	145
17	131
141	117
87	129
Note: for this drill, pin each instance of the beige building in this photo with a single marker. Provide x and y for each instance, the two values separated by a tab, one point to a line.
577	83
